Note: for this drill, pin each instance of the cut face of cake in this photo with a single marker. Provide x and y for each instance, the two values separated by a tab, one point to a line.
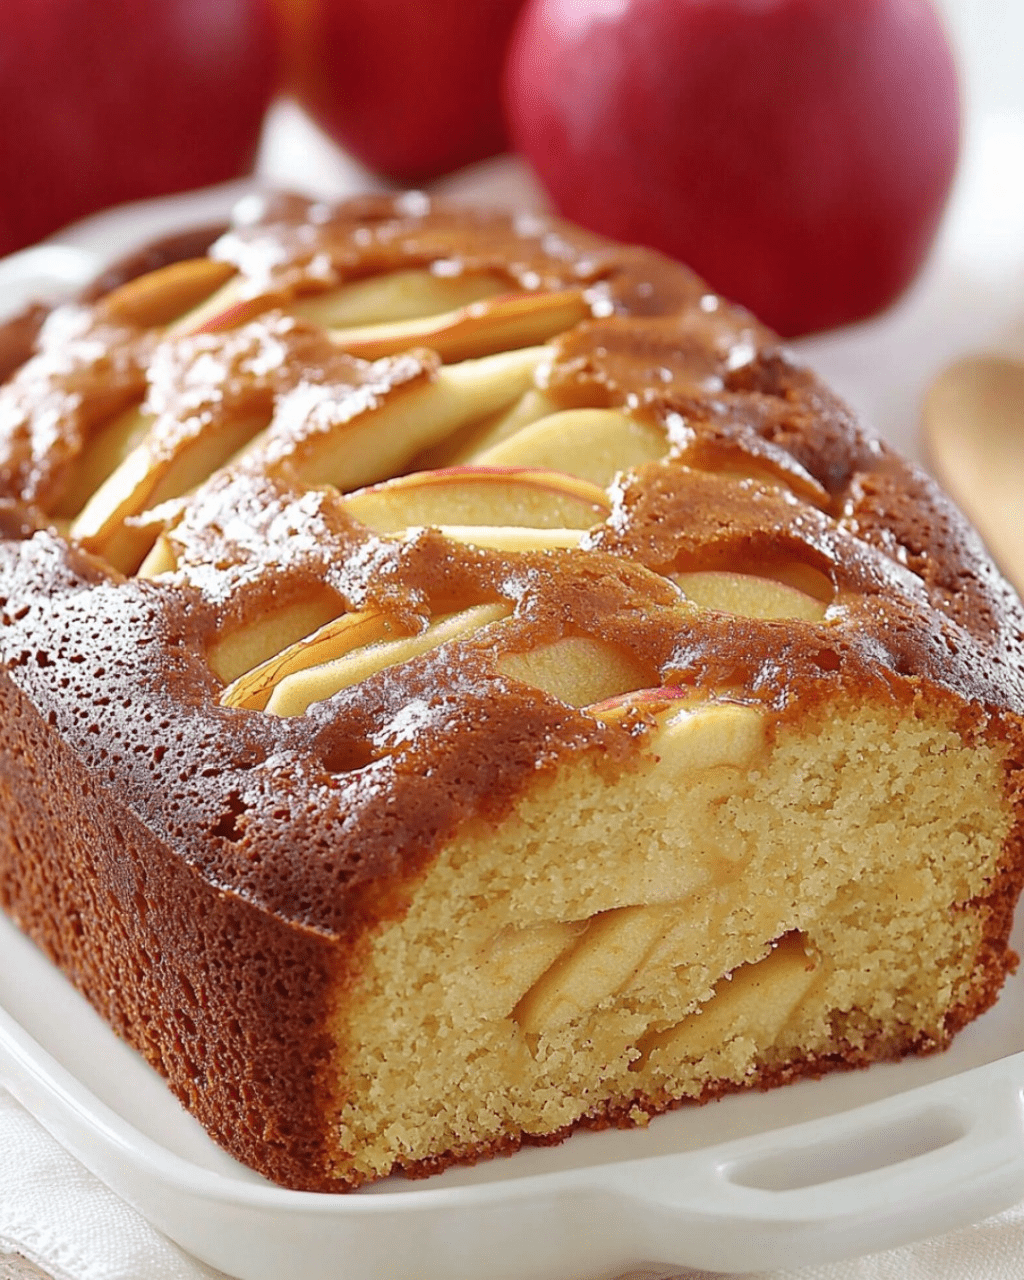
465	682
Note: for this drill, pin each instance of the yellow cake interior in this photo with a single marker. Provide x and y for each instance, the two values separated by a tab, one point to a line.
730	907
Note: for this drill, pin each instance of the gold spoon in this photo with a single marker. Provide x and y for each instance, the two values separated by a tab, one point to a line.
973	427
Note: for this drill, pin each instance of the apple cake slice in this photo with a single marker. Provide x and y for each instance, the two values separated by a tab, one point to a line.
464	681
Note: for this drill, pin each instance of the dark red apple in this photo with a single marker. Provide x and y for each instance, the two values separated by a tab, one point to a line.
796	153
103	101
410	87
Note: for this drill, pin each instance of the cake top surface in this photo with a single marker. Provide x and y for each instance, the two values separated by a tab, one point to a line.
204	488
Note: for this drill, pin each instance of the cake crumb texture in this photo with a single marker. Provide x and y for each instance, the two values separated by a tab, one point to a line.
854	931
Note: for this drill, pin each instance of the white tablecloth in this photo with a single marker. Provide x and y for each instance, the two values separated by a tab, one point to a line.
54	1212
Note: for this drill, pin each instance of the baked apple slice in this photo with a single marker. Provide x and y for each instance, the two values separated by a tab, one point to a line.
356	443
491	496
167	294
495	324
593	444
336	638
749	595
384	299
293	695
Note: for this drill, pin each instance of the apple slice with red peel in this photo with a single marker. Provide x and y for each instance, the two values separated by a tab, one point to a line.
579	670
496	324
756	1000
239	313
593	444
490	496
159	297
293	695
512	538
350	450
336	638
245	647
657	699
150	475
395	297
749	595
230	305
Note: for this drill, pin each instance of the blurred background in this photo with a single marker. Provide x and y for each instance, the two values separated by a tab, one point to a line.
87	87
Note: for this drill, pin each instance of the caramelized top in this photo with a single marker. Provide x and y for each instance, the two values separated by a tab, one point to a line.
232	441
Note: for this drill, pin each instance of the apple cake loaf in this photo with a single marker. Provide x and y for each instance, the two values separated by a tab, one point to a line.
463	681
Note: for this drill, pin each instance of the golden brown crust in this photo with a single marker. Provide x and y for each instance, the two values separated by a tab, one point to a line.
298	834
223	1000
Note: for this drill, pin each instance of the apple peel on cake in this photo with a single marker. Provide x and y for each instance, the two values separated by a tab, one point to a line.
464	681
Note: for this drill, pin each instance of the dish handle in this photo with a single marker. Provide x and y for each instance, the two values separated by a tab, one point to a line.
914	1165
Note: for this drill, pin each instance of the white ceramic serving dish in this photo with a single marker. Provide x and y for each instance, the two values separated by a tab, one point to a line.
816	1171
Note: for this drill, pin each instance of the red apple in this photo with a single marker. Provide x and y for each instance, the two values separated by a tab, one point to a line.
796	153
412	88
103	101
